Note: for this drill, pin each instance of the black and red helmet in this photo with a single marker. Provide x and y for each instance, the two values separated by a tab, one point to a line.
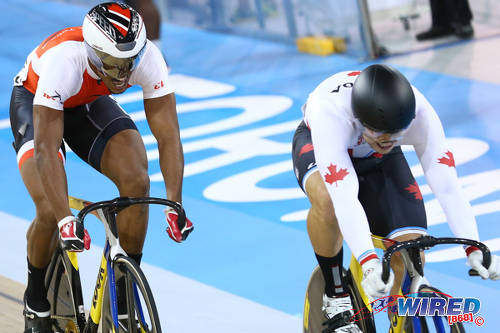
115	29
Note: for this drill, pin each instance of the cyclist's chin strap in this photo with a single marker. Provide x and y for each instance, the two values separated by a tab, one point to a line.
337	321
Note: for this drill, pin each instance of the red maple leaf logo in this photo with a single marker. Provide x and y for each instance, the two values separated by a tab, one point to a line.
447	159
306	148
354	73
415	190
333	176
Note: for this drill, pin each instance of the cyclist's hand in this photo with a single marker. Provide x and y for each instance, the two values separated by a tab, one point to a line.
73	236
176	229
372	282
475	260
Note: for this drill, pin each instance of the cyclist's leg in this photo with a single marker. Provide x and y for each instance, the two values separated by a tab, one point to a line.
322	226
106	138
41	235
324	233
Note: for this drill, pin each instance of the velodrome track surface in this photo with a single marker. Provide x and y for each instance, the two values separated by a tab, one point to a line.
246	265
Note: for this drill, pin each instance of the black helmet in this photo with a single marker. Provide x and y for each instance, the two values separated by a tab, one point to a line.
382	99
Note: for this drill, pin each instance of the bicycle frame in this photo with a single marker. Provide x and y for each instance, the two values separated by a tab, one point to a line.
111	251
414	276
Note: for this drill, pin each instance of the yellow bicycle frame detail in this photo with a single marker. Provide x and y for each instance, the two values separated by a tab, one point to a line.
95	309
73	258
307	306
397	322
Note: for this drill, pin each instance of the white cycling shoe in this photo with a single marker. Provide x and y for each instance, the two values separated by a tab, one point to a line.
337	307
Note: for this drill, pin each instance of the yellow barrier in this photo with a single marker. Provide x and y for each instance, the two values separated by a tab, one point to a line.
321	45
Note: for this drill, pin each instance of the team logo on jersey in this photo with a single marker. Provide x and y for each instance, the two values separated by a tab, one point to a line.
53	97
447	159
415	190
333	175
159	85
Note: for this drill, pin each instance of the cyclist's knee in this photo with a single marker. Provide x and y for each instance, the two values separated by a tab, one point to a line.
133	181
44	222
321	203
45	217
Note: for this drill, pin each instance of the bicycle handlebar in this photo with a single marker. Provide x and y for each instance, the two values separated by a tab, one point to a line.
117	204
426	242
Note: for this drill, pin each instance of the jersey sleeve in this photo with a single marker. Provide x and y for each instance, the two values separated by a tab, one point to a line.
152	73
60	77
330	136
439	168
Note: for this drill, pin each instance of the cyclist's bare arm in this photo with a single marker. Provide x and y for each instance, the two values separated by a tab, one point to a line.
48	134
162	118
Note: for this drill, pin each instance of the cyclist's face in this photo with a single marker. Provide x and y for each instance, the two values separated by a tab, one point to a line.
382	142
115	73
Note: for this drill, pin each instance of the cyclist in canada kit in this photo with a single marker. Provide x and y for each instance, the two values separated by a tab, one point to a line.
62	95
348	161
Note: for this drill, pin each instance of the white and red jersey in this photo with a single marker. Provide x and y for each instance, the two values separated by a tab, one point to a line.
58	74
337	135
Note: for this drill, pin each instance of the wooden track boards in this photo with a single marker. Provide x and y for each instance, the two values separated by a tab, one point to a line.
11	306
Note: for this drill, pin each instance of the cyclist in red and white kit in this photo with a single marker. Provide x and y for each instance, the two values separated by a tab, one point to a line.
347	159
62	95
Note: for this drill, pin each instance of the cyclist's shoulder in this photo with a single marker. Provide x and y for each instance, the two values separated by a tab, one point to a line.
340	78
336	90
152	72
59	55
151	57
62	42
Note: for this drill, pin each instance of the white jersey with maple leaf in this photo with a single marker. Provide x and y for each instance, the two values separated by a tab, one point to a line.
337	135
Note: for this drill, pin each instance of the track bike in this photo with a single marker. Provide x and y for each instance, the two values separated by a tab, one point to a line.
414	284
116	268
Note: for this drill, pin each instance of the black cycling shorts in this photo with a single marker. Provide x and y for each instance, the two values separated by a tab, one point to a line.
87	128
388	191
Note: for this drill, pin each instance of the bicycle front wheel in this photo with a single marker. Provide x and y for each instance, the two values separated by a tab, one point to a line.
141	314
439	323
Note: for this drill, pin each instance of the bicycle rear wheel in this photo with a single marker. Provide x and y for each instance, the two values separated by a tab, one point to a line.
64	293
425	322
142	315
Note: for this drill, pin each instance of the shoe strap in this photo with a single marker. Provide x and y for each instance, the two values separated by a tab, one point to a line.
339	320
